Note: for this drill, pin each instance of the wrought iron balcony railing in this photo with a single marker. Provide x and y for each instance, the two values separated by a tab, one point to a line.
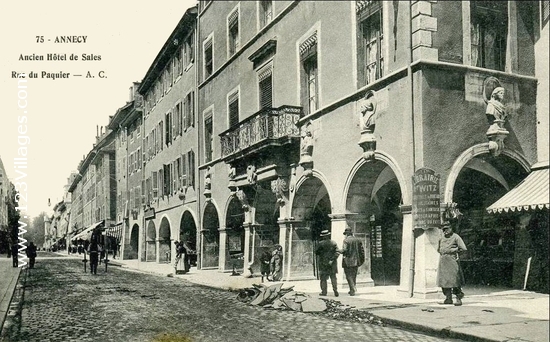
269	125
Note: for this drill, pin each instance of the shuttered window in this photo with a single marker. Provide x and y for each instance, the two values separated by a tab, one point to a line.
266	88
208	139
233	108
309	75
191	168
208	59
233	31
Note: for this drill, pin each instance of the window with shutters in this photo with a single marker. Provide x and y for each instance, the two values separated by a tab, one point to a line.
160	133
189	50
190	109
168	131
208	139
233	39
154	185
265	85
266	12
370	57
309	74
166	190
183	171
233	108
174	177
489	29
191	168
208	55
177	65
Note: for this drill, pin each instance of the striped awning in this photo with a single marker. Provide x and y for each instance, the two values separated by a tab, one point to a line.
86	234
115	231
532	193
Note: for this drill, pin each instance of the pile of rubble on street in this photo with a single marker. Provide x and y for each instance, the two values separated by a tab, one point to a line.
277	297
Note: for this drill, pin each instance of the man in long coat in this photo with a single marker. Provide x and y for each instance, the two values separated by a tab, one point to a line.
353	257
327	251
449	274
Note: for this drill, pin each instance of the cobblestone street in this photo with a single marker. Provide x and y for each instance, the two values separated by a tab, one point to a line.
62	303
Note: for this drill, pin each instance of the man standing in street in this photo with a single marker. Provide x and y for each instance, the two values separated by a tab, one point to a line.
31	254
353	257
449	274
327	251
15	255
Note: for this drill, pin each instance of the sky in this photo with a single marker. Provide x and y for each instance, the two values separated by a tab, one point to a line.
51	123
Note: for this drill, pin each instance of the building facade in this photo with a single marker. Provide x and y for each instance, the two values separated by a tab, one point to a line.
266	122
169	140
381	92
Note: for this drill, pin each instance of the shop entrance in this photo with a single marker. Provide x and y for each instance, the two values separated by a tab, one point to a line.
373	200
311	209
210	237
490	239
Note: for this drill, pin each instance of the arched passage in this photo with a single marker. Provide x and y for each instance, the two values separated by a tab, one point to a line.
311	208
210	237
150	242
264	233
132	252
490	238
164	241
234	220
188	234
372	202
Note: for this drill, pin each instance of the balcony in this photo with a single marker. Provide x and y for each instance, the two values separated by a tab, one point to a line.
268	127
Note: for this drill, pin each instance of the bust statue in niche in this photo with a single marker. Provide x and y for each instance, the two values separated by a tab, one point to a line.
496	111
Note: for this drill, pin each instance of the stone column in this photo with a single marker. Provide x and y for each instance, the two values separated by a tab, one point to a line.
405	277
222	247
426	262
338	225
284	226
246	256
157	251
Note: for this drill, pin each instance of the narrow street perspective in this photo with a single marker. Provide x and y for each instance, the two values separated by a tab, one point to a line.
62	303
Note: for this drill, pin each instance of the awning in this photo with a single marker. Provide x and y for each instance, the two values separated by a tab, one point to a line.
114	231
532	193
86	234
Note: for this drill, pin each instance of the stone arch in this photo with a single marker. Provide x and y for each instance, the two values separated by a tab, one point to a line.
132	252
476	180
210	236
311	208
151	242
374	194
471	153
165	240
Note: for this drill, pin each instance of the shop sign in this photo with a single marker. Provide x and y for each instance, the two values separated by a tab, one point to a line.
426	199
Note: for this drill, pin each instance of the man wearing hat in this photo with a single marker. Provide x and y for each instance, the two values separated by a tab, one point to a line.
353	257
449	274
327	251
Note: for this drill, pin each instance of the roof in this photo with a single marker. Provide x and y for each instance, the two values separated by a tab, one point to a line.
185	25
530	194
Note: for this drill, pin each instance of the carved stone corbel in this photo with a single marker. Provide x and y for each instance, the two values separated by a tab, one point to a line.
280	188
207	184
241	196
306	150
251	175
231	174
368	123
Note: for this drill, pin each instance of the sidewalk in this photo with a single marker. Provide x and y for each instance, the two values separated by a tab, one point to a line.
8	282
488	314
